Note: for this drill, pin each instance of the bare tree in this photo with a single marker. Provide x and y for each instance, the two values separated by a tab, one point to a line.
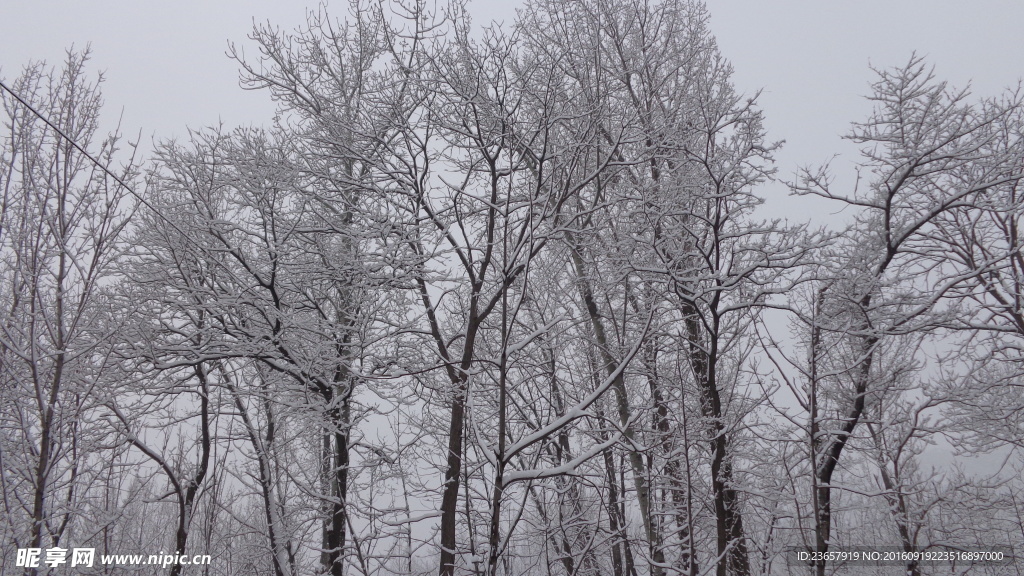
486	196
60	232
927	154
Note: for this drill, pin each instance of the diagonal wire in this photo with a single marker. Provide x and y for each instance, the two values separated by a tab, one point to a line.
95	161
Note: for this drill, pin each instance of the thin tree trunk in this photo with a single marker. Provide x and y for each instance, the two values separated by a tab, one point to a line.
830	457
624	413
731	544
196	482
262	448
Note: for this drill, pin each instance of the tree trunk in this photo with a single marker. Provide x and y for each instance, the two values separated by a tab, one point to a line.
624	413
731	544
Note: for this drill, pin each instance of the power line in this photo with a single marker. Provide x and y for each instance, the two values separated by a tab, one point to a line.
95	161
71	141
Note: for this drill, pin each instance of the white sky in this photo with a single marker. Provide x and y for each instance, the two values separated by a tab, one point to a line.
166	69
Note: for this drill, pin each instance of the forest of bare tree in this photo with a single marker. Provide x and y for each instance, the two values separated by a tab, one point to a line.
504	301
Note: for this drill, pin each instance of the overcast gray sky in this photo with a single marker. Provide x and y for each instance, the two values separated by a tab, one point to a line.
166	68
